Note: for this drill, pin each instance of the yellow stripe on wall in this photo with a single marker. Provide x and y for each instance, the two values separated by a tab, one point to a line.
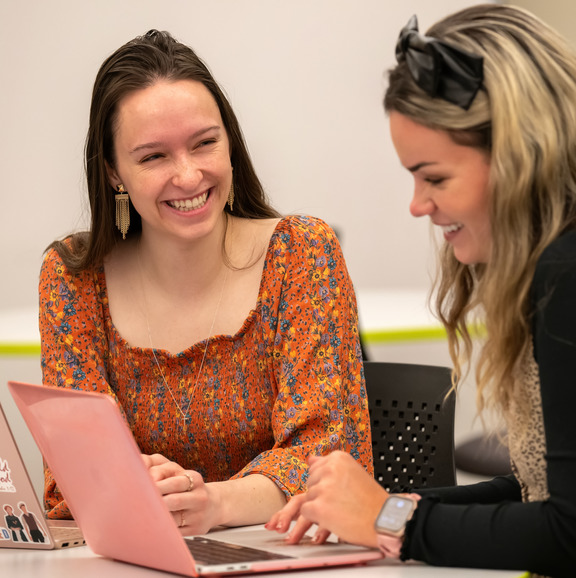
19	349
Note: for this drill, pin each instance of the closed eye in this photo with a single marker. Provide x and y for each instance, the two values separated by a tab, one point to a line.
207	142
150	158
434	181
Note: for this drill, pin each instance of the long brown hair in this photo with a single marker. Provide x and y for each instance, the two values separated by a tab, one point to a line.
138	64
525	117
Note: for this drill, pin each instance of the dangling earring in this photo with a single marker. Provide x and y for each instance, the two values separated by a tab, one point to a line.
122	210
231	196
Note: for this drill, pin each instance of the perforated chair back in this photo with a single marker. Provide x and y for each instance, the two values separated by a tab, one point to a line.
412	425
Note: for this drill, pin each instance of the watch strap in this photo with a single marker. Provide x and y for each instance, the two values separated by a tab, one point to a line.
390	546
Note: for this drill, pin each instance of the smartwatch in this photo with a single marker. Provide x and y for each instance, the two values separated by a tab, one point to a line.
394	515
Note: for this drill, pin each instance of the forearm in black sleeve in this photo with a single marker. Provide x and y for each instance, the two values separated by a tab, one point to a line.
537	536
502	488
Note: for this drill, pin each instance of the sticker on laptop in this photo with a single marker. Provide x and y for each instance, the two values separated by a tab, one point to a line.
21	525
6	484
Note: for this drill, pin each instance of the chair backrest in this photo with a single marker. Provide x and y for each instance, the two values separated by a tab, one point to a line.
412	425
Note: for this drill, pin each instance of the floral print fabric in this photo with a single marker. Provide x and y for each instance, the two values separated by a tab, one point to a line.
288	384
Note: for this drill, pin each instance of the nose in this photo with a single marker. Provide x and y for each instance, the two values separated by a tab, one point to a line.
187	174
422	204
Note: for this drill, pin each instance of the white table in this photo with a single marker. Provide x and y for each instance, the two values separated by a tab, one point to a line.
82	563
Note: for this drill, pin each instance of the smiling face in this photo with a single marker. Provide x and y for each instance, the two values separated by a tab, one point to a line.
172	156
450	186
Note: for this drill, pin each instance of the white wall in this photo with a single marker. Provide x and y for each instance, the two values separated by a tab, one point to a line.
306	78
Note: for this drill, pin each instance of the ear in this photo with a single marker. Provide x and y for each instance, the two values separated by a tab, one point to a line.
113	177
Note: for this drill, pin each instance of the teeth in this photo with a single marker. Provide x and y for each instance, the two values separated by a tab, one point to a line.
452	228
190	204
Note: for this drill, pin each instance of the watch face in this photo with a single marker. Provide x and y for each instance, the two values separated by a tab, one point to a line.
394	514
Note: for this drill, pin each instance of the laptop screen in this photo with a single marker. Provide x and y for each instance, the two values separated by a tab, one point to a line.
22	523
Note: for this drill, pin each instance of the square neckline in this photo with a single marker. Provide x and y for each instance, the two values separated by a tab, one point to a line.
248	321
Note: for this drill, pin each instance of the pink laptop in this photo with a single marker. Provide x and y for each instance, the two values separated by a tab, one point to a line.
99	470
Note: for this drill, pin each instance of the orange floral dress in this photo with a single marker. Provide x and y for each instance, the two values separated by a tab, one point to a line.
290	383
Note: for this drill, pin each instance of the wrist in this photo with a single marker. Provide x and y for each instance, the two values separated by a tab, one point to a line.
390	524
217	501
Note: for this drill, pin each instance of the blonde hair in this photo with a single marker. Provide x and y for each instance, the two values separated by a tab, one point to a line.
525	116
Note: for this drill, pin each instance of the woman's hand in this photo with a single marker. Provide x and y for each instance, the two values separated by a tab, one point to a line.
281	521
198	506
342	498
189	500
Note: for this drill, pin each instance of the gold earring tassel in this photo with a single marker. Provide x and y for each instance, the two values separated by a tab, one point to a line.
231	196
122	210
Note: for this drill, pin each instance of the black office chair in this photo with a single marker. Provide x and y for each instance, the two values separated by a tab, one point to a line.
412	425
483	455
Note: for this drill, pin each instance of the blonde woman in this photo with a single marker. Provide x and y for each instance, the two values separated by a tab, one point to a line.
483	114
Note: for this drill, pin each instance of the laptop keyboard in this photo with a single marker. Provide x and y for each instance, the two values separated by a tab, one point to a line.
66	536
209	552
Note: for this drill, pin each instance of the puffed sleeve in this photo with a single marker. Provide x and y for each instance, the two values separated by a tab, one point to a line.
73	344
313	351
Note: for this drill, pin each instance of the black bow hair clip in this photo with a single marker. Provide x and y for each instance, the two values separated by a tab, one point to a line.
438	68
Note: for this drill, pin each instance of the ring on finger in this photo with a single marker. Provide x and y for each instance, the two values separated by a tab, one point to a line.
190	482
182	521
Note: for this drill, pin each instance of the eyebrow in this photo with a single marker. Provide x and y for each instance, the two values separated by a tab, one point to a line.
418	166
155	144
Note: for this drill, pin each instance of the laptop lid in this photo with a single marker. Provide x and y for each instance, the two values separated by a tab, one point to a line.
99	469
22	521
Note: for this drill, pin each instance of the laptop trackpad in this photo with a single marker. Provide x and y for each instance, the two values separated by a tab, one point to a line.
258	538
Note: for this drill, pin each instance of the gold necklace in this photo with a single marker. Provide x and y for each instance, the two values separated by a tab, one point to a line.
184	413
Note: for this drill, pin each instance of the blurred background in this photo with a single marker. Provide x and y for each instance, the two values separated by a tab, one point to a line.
306	79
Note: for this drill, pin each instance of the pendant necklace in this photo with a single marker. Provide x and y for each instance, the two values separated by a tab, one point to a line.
183	412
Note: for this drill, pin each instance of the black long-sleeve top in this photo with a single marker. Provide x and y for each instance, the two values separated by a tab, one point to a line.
487	525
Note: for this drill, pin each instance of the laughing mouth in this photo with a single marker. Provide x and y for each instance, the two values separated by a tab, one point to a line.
189	204
452	228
